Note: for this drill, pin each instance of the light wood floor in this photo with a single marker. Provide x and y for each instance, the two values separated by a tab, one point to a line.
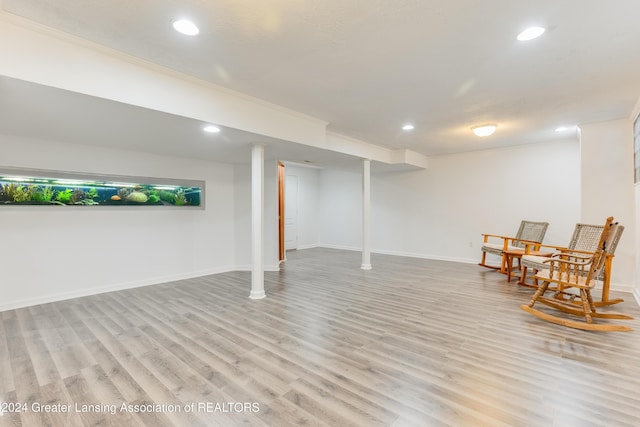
411	342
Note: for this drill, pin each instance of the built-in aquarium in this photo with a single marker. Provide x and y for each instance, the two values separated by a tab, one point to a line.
69	189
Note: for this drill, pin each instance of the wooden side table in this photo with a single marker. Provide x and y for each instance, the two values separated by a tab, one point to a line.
517	254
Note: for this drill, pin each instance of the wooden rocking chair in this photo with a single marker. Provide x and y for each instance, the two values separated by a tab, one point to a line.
529	232
574	275
585	237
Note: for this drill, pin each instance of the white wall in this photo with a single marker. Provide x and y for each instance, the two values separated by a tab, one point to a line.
308	204
52	253
441	212
607	188
340	209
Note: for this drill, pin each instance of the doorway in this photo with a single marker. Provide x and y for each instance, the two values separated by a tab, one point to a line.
291	213
287	211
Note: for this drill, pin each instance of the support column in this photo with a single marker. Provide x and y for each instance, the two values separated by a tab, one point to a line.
366	205
257	222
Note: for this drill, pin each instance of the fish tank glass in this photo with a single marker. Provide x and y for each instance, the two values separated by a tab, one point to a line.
31	187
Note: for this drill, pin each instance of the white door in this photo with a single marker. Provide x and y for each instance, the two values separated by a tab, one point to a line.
291	212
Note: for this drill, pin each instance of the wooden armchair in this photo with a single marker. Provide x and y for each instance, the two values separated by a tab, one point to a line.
529	232
573	275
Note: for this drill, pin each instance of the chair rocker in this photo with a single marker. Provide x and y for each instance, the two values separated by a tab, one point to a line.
529	232
573	275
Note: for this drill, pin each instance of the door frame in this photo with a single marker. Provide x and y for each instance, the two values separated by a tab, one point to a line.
281	179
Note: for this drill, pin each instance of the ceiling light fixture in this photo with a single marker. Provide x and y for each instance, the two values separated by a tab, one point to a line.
408	127
186	27
562	129
531	33
484	130
211	129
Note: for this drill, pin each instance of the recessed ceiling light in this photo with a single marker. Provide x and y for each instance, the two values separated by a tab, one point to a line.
186	27
211	129
408	127
562	129
531	33
484	130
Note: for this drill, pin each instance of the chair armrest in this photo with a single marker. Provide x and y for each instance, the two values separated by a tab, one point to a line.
554	247
496	236
529	245
579	260
505	239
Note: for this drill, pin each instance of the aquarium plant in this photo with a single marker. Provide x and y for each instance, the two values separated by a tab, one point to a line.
179	198
42	194
166	196
22	194
92	194
7	191
64	196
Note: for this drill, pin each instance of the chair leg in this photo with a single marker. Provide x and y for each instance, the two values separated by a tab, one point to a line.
523	276
541	290
592	304
586	305
483	262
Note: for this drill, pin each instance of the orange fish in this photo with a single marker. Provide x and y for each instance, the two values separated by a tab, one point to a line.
115	198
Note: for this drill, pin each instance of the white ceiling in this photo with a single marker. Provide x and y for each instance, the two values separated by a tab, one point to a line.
369	66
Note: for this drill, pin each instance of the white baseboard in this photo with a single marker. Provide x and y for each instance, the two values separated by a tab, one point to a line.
171	278
401	253
249	267
302	247
44	299
425	256
339	247
618	287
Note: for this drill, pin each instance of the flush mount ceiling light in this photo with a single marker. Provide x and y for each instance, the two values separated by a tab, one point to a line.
408	127
484	130
211	129
186	27
531	33
562	128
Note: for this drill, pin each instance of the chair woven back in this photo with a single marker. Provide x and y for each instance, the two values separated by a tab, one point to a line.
611	248
585	237
608	242
531	230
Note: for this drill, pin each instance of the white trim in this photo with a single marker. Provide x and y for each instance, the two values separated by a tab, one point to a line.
617	287
340	247
426	256
202	273
126	285
300	247
248	267
111	288
399	253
